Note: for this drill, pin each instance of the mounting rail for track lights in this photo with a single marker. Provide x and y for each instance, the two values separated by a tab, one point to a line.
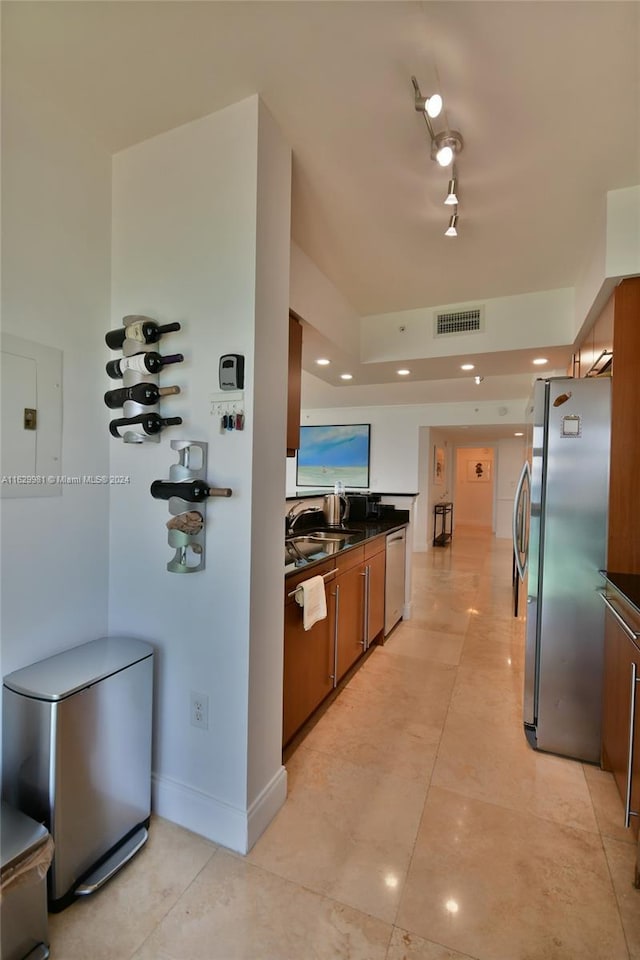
445	148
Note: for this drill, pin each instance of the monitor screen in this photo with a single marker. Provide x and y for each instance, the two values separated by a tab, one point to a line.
331	453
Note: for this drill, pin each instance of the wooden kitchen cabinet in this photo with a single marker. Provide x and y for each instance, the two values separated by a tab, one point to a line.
349	585
308	657
620	716
294	384
316	660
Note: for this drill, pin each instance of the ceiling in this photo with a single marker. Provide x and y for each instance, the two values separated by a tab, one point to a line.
546	96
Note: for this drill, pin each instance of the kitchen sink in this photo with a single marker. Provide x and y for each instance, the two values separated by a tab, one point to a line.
316	544
331	535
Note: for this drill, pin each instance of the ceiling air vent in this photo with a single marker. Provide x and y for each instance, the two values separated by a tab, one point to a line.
459	321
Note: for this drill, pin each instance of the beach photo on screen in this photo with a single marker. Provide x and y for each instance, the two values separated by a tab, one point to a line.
331	453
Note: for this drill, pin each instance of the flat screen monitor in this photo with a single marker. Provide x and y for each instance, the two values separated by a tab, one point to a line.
331	453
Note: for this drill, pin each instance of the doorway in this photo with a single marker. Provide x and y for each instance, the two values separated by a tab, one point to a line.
474	486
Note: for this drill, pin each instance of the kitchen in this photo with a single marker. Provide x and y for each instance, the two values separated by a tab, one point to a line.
61	180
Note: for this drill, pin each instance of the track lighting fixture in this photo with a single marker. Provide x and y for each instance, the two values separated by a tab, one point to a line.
478	380
445	147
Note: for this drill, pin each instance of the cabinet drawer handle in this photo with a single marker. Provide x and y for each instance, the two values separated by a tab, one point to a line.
365	624
334	675
628	812
324	577
632	634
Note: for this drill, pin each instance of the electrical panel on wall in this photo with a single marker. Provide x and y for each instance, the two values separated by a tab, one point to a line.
139	369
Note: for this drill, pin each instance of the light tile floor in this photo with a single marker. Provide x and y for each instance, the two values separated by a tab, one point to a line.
419	824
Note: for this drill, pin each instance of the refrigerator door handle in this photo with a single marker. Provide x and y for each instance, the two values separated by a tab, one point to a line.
518	528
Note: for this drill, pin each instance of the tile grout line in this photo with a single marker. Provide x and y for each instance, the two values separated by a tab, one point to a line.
175	903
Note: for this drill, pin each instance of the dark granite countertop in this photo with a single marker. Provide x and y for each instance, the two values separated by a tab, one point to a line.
302	494
628	584
361	530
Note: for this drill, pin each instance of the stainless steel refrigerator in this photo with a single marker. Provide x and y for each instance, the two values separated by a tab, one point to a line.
560	541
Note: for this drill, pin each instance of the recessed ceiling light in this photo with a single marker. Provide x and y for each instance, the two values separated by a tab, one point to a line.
468	366
518	434
403	373
323	362
346	376
540	360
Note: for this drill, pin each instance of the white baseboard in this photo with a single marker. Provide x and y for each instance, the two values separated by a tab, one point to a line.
265	806
214	819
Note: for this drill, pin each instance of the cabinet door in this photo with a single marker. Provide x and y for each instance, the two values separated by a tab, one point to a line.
293	392
620	654
350	618
376	566
308	667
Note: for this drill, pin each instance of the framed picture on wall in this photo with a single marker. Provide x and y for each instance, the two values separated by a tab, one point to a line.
479	471
438	465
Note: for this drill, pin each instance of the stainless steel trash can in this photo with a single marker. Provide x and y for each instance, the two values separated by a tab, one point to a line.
77	757
25	851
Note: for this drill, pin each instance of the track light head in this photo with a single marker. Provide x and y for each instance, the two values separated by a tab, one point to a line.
452	230
431	106
446	146
451	199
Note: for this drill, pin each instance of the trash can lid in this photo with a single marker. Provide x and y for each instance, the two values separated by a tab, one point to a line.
65	673
19	835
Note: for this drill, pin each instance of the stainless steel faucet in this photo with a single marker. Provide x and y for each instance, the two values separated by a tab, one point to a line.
292	517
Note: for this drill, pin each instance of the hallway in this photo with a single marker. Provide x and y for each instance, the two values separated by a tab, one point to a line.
419	824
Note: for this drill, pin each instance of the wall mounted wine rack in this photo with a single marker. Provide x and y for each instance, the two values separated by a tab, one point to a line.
134	433
188	517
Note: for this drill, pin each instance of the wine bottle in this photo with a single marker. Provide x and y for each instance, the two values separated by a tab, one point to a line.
191	490
142	362
143	329
151	423
144	393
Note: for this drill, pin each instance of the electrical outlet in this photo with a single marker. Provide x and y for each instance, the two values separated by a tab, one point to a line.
199	710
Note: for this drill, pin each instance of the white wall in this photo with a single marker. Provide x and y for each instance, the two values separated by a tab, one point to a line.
320	303
395	438
56	199
201	222
510	323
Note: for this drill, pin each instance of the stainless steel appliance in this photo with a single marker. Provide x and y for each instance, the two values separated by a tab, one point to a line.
365	506
394	579
26	852
335	509
77	757
560	531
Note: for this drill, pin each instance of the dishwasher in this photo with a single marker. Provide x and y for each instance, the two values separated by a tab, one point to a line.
395	579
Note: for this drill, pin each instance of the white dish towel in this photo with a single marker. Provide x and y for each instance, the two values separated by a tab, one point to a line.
311	597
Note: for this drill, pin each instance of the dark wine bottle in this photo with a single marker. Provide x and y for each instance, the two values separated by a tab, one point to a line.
151	423
142	362
144	393
191	490
142	329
